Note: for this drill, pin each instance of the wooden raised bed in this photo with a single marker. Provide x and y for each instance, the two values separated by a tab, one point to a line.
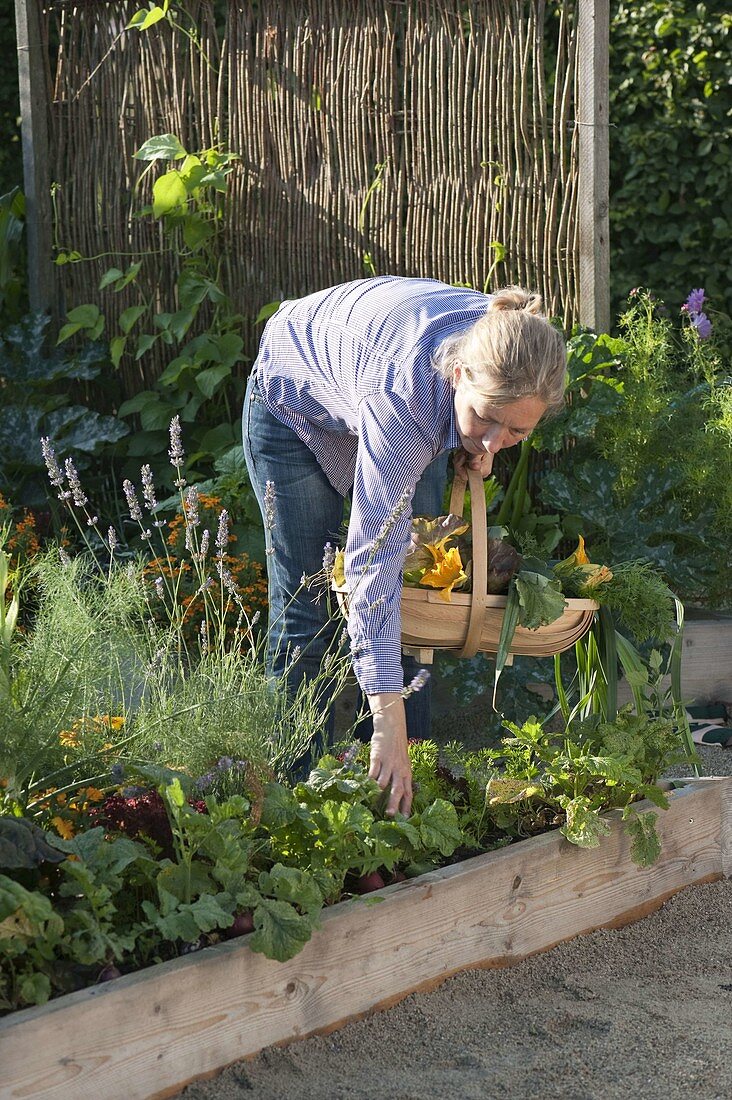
148	1034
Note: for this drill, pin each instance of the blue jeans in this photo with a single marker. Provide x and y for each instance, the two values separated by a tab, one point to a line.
308	513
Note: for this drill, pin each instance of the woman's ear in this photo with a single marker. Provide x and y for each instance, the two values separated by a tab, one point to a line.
456	373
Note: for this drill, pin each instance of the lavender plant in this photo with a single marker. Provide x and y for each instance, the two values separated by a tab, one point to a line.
100	646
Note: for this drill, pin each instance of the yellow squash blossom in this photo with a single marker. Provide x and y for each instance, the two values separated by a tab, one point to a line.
446	572
579	557
339	569
601	575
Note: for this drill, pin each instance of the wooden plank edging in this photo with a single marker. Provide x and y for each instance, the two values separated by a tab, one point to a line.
148	1034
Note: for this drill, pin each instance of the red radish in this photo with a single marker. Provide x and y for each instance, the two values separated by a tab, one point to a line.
242	924
107	973
398	876
367	883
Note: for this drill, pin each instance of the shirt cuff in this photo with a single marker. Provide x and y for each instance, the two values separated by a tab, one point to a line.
377	664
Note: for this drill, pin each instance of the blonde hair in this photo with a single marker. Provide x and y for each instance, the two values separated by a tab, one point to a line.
511	352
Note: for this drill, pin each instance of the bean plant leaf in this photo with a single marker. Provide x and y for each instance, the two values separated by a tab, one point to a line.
169	194
111	275
142	19
161	147
209	380
280	931
117	347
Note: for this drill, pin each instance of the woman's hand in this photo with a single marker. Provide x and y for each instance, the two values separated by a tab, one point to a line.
390	765
482	462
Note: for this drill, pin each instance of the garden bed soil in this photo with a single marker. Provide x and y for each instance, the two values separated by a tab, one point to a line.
146	1034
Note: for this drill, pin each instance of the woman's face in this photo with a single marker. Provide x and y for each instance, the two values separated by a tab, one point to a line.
485	427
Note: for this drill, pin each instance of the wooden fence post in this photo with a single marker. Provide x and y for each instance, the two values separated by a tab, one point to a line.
34	105
592	106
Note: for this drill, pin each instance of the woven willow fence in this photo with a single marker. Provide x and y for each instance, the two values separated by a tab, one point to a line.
410	137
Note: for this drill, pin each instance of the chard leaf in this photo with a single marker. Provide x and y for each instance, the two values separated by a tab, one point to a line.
614	769
540	598
584	826
505	791
646	847
280	930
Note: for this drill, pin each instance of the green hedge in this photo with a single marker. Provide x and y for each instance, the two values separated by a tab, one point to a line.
671	168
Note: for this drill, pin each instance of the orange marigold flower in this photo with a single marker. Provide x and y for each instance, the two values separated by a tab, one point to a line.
63	827
92	794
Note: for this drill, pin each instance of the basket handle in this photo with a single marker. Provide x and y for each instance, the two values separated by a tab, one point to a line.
479	522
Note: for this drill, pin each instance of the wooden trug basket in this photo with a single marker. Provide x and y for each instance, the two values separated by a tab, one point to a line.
471	622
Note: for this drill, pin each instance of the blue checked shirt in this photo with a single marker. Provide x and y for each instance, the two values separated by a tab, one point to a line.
349	370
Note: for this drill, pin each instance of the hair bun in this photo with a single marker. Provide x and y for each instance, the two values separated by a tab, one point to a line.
515	297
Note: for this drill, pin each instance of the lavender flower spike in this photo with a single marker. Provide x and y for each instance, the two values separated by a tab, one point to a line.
222	535
148	488
191	505
80	497
328	558
54	470
132	502
695	302
176	453
417	683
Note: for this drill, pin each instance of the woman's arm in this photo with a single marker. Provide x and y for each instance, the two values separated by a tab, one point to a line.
390	765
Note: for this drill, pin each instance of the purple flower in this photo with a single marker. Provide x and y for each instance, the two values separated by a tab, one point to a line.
702	324
349	756
176	453
222	535
695	302
191	507
49	456
417	683
132	501
80	497
148	487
